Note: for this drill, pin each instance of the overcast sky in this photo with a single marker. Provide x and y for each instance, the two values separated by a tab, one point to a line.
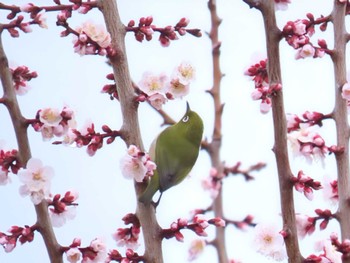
65	78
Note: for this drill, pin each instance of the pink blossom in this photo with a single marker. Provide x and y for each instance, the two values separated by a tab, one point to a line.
305	225
299	27
73	255
282	4
59	219
98	246
269	242
36	179
136	164
330	190
177	89
256	94
196	249
346	91
152	84
26	7
157	100
50	116
185	73
265	105
96	32
305	51
40	19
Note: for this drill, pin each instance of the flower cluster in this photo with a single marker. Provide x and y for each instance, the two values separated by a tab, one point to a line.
63	208
111	89
20	76
136	164
308	119
308	143
128	237
8	162
305	184
92	39
263	90
330	190
53	122
332	250
198	225
156	89
269	241
213	183
87	136
23	234
243	224
306	225
297	34
130	256
36	180
145	30
37	16
96	252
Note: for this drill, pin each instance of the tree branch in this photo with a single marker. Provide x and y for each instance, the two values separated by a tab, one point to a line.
20	127
341	118
273	36
130	129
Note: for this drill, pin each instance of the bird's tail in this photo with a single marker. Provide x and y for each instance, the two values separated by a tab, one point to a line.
152	188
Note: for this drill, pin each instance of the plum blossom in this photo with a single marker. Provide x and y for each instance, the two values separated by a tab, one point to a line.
330	253
346	91
282	4
157	100
53	122
63	209
73	255
196	249
185	73
305	225
136	164
308	143
97	33
330	190
36	180
269	242
305	51
20	77
177	89
158	88
213	182
100	250
50	116
152	84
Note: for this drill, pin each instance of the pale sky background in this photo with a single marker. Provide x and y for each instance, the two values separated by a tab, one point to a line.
65	78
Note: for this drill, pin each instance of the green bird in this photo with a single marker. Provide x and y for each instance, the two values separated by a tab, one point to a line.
175	152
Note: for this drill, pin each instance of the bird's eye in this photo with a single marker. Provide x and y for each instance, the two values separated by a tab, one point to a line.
186	118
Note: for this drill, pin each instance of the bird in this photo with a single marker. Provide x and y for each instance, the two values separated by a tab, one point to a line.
175	151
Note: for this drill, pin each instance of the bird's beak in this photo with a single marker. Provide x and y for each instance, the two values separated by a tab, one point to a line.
188	106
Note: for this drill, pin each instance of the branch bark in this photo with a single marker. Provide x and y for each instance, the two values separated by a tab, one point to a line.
341	118
273	37
24	154
214	146
130	129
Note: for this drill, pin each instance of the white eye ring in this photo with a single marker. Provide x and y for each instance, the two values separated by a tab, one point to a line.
186	118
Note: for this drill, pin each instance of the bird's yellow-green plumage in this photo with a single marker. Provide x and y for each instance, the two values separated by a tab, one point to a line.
174	151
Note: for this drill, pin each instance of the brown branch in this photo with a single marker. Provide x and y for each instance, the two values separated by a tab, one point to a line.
273	37
215	145
19	123
341	118
130	129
